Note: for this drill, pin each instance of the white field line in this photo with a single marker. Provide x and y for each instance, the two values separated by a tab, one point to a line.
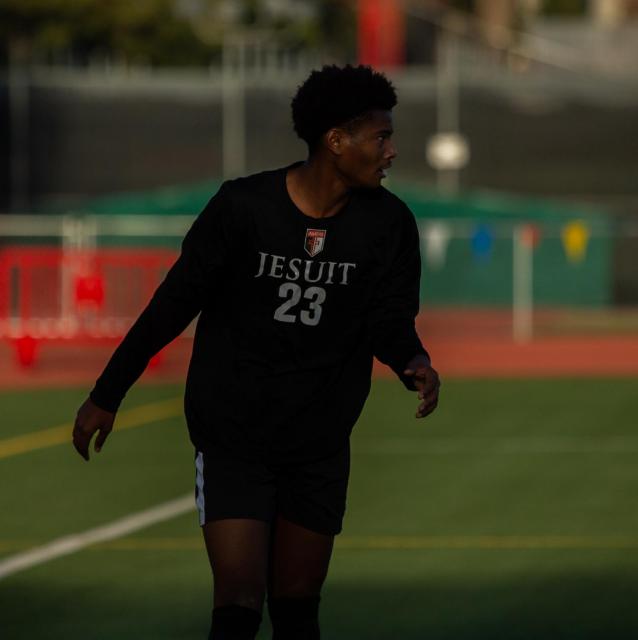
75	542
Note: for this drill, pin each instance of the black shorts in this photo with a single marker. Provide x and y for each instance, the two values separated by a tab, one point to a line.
312	494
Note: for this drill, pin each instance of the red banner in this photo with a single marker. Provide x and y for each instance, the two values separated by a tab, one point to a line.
381	33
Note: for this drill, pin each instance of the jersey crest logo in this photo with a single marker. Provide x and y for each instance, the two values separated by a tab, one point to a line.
315	239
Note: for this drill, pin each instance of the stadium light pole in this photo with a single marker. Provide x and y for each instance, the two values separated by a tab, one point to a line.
447	101
233	107
447	151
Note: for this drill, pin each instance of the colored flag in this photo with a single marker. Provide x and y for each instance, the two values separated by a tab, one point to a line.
482	242
575	236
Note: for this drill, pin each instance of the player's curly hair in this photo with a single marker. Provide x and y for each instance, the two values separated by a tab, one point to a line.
335	96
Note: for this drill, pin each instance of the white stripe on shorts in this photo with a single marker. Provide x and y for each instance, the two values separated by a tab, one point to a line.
199	483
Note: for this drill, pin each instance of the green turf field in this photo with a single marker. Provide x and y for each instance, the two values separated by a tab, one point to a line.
511	513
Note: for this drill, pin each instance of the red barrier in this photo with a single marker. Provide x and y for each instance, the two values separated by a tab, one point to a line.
47	293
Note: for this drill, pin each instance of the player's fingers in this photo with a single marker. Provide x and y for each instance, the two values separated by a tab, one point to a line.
102	435
430	401
429	388
430	393
81	444
426	412
426	408
81	439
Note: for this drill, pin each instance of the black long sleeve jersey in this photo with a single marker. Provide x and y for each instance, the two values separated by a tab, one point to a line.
293	308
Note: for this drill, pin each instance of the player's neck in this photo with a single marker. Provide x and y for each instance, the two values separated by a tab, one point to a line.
316	189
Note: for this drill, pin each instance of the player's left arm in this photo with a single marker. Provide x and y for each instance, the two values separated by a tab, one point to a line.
391	322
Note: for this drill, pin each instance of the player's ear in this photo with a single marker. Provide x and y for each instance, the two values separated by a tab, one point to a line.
334	139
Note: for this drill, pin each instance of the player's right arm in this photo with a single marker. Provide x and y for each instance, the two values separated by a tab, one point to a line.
178	299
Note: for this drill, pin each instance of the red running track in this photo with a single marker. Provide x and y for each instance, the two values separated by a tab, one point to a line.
463	343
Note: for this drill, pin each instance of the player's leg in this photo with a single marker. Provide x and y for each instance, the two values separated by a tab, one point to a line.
311	505
238	553
298	567
236	503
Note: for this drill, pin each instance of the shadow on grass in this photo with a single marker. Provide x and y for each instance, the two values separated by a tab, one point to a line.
70	612
571	607
562	607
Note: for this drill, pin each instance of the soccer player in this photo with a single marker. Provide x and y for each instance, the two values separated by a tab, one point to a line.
302	274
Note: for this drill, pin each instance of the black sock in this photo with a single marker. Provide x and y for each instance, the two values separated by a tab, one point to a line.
294	618
234	622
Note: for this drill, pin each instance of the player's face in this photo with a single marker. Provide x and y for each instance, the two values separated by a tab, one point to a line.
368	151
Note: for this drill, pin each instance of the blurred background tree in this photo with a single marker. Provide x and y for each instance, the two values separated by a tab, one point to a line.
164	32
565	7
79	31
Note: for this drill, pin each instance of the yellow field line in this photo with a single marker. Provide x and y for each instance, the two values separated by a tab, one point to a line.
405	542
128	419
196	543
487	542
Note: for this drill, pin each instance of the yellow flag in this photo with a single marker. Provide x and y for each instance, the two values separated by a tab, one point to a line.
575	237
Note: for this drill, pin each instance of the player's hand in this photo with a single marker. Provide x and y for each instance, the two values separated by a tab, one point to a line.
90	418
427	383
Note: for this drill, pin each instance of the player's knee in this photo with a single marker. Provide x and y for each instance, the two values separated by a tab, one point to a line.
243	590
250	598
234	622
302	588
294	618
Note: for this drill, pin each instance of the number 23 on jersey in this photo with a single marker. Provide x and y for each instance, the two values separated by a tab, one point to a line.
308	312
